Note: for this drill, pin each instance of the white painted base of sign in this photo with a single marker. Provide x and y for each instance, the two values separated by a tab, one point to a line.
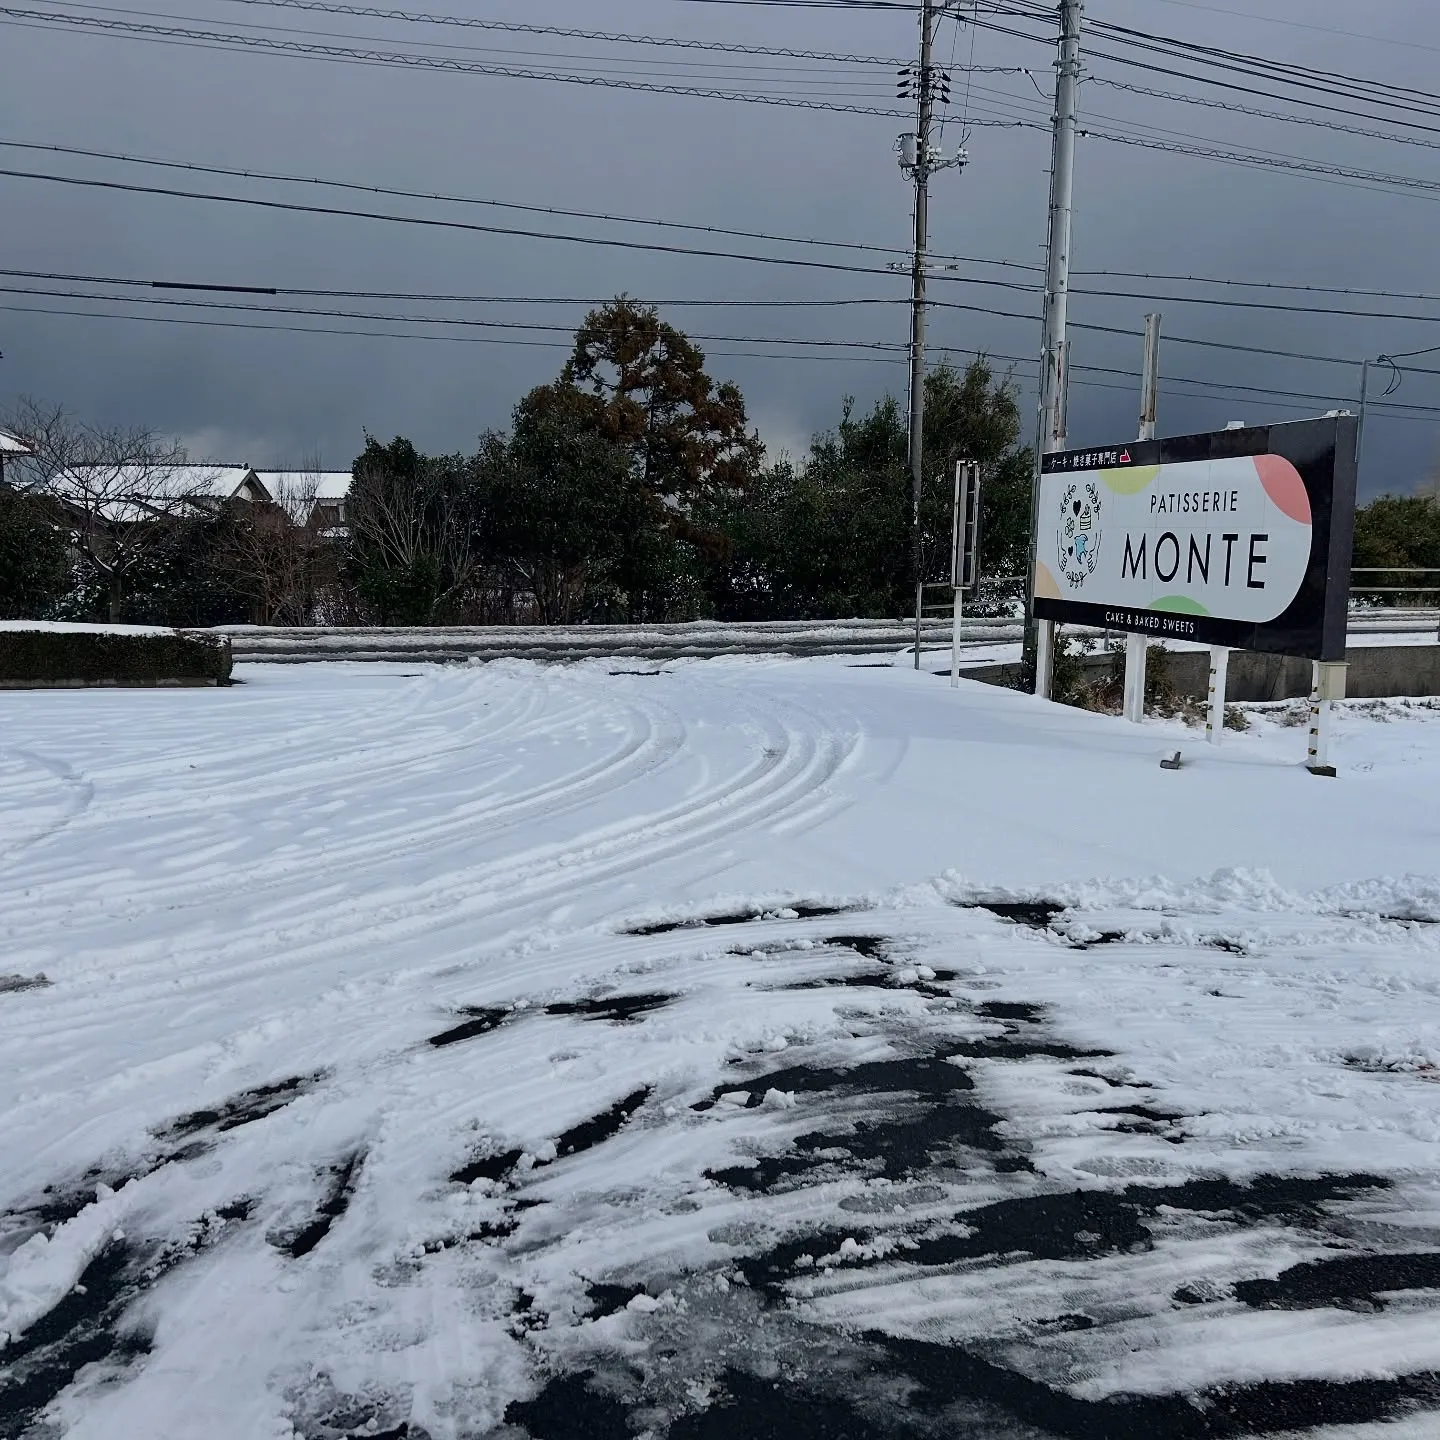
1135	655
1215	714
1044	658
1327	686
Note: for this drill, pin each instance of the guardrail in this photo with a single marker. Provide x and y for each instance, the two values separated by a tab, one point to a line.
694	640
1393	589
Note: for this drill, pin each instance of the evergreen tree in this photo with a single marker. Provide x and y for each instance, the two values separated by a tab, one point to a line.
1399	531
831	537
640	383
34	568
415	522
565	510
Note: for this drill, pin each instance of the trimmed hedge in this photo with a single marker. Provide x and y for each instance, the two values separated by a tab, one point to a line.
76	657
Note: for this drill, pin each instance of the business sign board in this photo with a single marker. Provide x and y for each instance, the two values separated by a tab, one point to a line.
1238	538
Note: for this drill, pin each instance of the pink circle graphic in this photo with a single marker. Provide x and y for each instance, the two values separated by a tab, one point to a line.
1284	486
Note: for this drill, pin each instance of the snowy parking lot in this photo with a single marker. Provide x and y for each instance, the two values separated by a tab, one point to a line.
733	1048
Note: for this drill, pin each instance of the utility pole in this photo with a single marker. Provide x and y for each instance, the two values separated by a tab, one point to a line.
1054	359
924	90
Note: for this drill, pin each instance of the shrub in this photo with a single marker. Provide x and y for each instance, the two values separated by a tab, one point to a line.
111	657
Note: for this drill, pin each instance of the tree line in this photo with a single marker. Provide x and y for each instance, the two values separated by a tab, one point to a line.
630	488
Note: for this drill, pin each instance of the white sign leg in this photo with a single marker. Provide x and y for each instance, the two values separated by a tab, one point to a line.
1044	658
1327	686
1135	646
955	640
1215	714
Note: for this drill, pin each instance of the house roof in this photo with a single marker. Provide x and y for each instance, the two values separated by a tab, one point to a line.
12	445
329	485
131	492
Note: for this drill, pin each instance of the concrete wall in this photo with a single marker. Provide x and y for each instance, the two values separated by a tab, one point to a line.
1374	671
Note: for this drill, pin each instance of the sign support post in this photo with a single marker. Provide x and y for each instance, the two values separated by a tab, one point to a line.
1136	646
1215	713
1327	686
964	550
955	641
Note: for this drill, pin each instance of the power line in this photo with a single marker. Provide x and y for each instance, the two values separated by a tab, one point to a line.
346	54
606	217
467	321
511	27
1405	183
1328	83
436	222
343	54
728	302
1406	44
1261	285
413	335
1233	109
1396	411
295	206
827	77
1285	71
1326	106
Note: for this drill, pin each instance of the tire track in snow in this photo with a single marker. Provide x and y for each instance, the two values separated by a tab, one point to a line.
782	771
788	768
310	766
22	795
643	748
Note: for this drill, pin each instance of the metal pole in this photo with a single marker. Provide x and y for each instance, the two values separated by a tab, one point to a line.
1053	367
925	91
955	640
1136	644
1150	378
957	572
1360	424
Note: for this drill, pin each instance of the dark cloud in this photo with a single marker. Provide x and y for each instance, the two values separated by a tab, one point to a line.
271	397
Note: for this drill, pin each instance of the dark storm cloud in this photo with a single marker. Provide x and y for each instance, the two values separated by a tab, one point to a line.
272	397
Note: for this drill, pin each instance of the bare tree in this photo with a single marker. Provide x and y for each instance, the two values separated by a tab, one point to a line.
277	559
412	526
120	491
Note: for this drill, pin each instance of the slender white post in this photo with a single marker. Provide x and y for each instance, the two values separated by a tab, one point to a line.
1219	672
1135	645
1327	685
1045	659
1135	677
955	640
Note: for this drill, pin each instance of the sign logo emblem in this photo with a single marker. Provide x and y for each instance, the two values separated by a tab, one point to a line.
1079	535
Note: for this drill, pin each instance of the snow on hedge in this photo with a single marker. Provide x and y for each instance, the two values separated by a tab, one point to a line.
67	627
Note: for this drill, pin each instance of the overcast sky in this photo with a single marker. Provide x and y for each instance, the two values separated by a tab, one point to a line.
276	397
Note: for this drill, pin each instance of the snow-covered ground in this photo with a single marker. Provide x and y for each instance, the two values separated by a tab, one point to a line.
733	1048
